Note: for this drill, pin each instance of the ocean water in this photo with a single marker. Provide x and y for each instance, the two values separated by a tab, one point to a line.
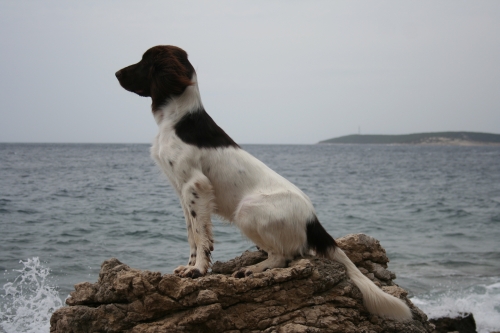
64	208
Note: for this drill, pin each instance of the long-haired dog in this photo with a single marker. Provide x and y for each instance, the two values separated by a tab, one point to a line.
213	175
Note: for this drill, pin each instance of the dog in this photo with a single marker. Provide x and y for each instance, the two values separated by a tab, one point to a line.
213	175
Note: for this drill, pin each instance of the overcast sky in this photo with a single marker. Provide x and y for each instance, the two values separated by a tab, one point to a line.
269	71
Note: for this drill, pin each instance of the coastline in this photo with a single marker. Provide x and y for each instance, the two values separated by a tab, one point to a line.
427	139
427	144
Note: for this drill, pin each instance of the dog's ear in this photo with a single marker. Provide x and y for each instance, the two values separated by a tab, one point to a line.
170	74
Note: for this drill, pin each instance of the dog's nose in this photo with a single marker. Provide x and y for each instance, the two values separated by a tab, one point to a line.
118	74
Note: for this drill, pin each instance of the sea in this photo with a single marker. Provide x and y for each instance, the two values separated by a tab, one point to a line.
65	208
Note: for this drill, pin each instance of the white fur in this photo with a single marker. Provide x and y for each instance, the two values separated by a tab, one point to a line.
231	183
375	300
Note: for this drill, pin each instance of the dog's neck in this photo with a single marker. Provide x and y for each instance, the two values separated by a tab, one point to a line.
177	107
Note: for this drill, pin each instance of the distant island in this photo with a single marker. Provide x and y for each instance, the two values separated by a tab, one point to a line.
436	138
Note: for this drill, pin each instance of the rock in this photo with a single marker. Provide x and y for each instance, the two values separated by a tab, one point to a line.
461	324
311	295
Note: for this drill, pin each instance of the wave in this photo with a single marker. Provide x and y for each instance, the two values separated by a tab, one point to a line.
29	301
483	301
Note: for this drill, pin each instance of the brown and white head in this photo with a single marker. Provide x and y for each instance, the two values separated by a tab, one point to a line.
163	73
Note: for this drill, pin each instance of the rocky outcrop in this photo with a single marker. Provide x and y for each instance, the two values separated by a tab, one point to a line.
311	295
461	324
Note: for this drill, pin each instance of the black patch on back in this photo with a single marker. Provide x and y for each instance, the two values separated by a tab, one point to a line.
199	129
317	238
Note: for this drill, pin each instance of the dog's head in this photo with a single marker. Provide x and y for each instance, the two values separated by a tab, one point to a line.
163	72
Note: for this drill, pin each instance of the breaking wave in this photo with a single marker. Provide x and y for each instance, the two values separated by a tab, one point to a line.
29	300
483	301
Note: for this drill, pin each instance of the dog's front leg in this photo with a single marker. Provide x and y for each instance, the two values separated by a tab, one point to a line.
190	234
198	202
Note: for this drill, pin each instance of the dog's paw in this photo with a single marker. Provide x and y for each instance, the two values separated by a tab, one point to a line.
188	272
242	273
180	269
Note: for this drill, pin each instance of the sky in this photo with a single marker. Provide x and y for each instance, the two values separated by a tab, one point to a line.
269	72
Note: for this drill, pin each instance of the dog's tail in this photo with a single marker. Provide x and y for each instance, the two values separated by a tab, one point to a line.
375	300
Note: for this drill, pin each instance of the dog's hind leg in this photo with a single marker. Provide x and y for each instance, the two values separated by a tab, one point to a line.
274	260
198	199
275	223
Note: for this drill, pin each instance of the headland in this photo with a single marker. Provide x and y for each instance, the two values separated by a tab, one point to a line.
433	138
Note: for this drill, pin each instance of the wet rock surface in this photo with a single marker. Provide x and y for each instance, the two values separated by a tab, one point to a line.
460	324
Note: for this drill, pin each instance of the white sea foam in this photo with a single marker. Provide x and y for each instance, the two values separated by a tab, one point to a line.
29	301
483	301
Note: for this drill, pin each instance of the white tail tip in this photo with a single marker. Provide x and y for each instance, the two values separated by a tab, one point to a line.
376	301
